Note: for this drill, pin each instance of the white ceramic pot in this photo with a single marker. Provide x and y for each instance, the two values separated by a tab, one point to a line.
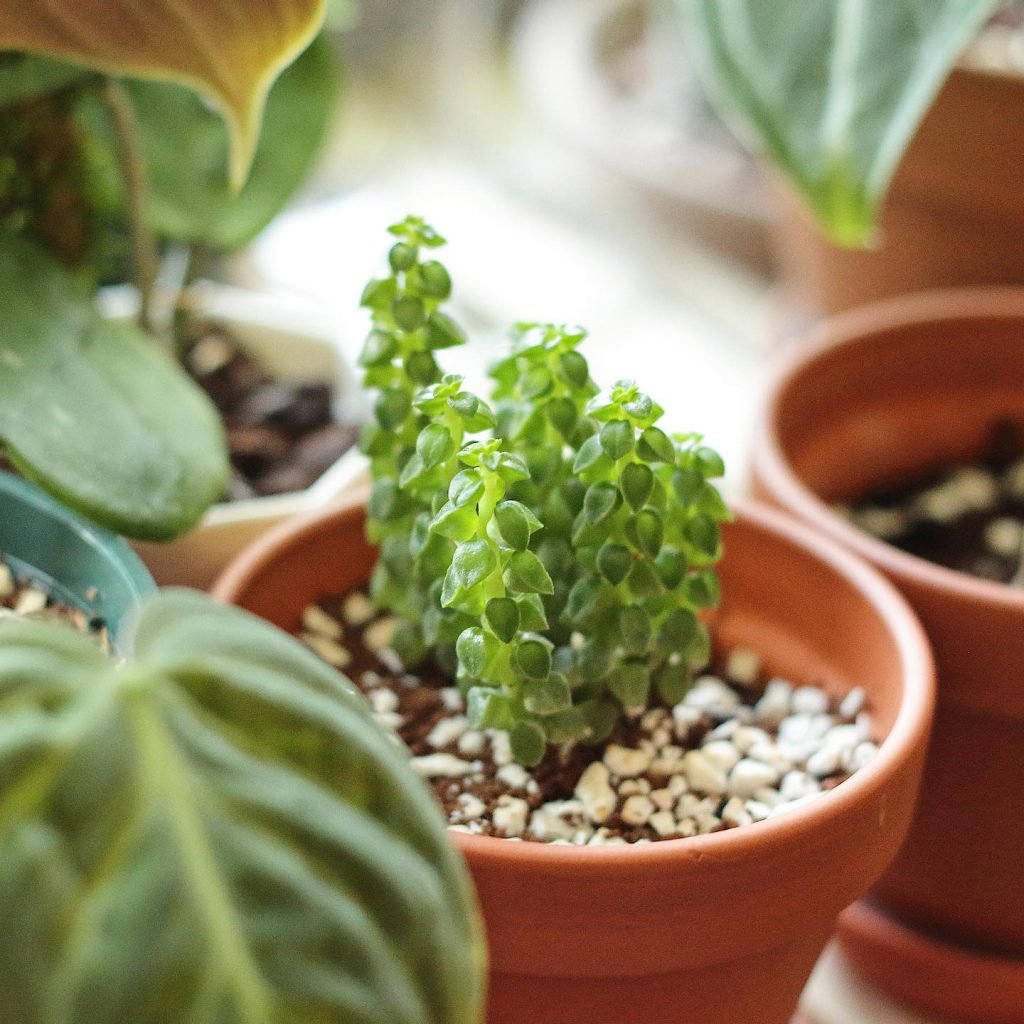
292	339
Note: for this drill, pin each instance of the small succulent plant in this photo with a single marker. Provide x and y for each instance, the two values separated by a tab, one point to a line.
555	552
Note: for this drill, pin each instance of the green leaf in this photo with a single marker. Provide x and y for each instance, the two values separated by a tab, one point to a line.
525	574
672	683
379	348
613	562
434	445
488	708
94	412
656	446
599	717
630	683
190	196
617	439
636	484
533	656
703	589
516	523
600	502
548	696
502	617
473	562
531	612
23	77
466	488
832	93
635	629
475	649
650	532
528	742
443	332
217	822
702	532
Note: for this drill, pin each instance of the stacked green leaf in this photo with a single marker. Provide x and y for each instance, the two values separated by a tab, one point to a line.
568	557
216	832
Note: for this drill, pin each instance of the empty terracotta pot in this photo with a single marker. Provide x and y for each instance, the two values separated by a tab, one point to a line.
722	928
874	397
953	215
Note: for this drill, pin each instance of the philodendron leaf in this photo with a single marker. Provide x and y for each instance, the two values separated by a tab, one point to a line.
216	832
186	151
831	92
95	412
229	50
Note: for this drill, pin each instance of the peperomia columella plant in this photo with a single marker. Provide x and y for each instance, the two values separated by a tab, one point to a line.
555	552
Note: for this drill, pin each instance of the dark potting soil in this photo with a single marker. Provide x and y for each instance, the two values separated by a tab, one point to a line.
22	597
968	517
282	435
427	714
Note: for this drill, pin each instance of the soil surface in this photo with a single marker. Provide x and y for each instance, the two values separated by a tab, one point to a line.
660	773
968	517
24	598
282	435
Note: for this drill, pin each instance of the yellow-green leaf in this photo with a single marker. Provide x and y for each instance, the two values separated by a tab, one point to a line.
229	50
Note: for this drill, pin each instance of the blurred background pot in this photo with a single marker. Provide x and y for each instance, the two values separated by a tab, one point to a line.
723	928
71	559
877	396
292	340
953	215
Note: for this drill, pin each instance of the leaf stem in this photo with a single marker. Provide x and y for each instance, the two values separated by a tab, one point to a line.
132	165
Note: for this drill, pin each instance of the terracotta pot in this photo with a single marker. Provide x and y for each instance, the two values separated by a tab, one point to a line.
720	929
875	396
953	216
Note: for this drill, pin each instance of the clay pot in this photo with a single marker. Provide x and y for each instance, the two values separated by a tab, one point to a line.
953	215
723	928
876	396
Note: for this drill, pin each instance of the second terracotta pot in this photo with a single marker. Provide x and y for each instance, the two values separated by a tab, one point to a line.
876	397
718	929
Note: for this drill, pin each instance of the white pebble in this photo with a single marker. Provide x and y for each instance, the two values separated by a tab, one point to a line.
721	753
743	665
501	747
663	822
6	580
471	743
378	634
451	698
470	806
389	719
712	696
757	810
769	796
316	620
595	793
749	776
357	609
767	751
677	785
686	828
773	706
796	784
446	766
862	755
663	799
884	523
653	719
557	819
625	762
745	736
1003	536
703	774
685	719
383	700
735	813
808	700
329	650
726	730
510	815
447	730
637	810
513	775
824	762
627	787
852	704
30	601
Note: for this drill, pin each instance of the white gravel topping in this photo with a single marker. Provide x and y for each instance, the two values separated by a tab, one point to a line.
703	774
316	620
686	718
1003	536
451	698
513	775
663	823
712	696
6	581
471	743
383	700
808	700
357	609
511	814
324	647
559	819
447	730
853	703
743	665
626	763
749	776
443	766
377	635
637	810
595	792
773	706
721	753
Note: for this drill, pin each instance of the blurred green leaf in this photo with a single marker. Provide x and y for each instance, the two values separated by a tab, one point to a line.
23	77
831	92
95	412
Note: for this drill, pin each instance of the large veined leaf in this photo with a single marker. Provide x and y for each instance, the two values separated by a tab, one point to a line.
95	412
216	832
23	77
230	50
831	91
189	197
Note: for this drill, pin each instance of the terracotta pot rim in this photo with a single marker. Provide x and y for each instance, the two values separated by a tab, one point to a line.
862	923
846	330
905	739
